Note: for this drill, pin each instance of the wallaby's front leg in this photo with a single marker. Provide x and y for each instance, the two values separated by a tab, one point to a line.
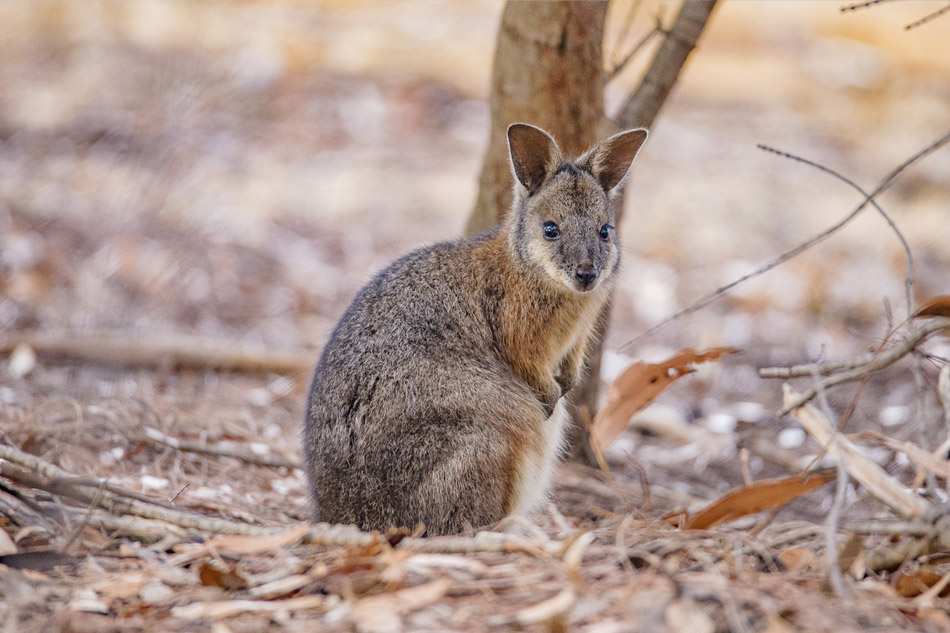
572	367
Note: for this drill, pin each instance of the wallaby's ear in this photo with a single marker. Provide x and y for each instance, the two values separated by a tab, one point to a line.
534	154
609	161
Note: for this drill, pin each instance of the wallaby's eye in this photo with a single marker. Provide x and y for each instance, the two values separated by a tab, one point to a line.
551	232
605	232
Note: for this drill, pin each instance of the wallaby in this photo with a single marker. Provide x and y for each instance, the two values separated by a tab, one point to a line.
437	398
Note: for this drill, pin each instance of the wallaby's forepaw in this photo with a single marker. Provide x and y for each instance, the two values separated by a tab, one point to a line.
567	382
549	399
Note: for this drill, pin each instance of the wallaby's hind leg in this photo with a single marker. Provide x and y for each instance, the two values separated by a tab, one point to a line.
459	468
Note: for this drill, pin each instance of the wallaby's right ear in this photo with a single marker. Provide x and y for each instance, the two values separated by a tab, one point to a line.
534	155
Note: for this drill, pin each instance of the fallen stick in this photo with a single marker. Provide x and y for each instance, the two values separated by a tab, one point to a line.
879	484
43	475
175	351
875	363
248	457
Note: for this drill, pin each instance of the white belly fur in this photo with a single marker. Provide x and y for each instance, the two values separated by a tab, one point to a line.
535	468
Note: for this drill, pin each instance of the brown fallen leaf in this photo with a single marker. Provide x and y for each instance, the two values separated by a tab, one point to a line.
639	384
936	307
914	583
227	579
797	558
762	495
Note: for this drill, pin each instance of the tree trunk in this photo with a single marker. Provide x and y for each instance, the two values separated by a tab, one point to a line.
640	110
548	71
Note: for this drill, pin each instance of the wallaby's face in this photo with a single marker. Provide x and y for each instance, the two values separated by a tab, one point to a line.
563	214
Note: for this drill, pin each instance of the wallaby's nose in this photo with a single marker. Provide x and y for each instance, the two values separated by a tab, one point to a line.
586	275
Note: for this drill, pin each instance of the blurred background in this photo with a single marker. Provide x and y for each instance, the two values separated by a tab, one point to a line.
238	170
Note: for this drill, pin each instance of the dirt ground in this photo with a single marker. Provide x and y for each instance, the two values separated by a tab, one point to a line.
234	173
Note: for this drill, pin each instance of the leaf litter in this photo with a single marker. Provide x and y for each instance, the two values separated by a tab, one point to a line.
180	429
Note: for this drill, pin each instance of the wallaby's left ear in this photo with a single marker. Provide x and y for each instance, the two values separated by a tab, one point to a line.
609	161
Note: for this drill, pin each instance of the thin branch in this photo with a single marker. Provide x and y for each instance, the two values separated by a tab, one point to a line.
810	369
161	351
646	101
157	437
646	39
909	277
862	5
835	577
880	361
793	252
121	503
927	18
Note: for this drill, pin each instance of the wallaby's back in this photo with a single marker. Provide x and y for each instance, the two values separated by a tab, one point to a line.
432	402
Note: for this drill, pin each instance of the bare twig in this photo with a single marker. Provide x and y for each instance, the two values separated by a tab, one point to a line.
862	5
878	362
810	369
928	18
120	503
909	277
248	457
161	351
646	39
795	251
644	104
835	577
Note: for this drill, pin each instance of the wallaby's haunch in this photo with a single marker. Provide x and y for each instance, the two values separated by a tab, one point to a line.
436	399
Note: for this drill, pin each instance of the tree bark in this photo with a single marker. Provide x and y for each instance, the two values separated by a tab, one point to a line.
547	72
640	110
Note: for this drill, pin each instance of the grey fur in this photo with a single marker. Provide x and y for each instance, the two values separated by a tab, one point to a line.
431	400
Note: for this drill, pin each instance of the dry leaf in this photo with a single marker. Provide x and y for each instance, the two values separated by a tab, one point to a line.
762	495
639	384
257	544
936	307
547	609
795	558
383	613
914	583
227	579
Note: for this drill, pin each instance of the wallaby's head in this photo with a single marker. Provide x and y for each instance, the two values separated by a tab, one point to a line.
562	217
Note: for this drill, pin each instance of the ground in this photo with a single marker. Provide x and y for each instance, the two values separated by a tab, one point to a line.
235	173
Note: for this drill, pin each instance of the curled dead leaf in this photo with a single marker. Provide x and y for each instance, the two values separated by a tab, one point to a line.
227	579
762	495
936	307
914	583
638	385
797	558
